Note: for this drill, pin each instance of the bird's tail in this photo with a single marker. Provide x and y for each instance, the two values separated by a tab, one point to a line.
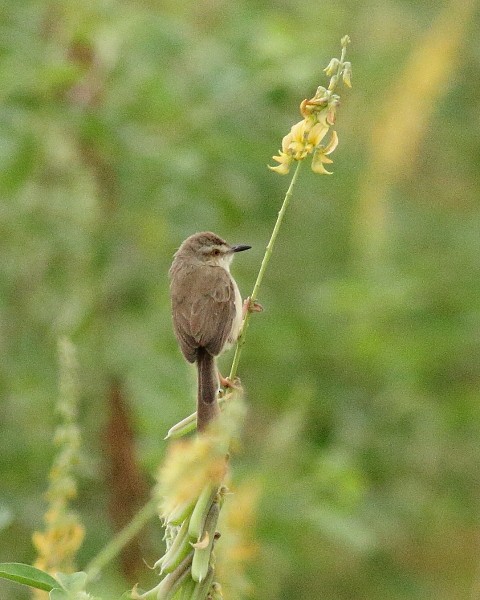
207	405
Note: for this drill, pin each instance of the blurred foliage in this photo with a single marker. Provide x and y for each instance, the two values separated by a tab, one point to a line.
124	127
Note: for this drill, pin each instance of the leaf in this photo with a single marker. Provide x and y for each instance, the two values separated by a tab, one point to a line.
28	575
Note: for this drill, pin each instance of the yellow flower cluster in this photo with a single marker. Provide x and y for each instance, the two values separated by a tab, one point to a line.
63	533
188	467
318	114
305	137
57	546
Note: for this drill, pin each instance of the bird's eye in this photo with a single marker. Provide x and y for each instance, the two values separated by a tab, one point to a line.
216	252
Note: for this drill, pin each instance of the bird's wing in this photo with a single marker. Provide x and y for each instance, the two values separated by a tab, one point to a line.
205	320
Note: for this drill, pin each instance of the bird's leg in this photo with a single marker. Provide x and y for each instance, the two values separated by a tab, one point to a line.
249	306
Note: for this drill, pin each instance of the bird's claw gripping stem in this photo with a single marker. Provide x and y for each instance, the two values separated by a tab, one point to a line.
251	306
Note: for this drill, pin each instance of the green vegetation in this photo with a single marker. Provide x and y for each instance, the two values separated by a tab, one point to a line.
125	127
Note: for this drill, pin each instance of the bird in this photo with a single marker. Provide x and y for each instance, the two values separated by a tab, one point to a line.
207	311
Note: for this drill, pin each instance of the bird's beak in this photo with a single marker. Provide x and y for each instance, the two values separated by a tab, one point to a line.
240	247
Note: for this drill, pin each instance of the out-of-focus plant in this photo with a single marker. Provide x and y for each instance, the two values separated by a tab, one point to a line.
191	491
53	574
58	544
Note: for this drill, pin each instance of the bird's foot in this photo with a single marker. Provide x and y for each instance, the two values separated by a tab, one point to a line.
251	306
226	382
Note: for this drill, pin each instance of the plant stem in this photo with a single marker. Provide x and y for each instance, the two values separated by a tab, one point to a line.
112	549
263	268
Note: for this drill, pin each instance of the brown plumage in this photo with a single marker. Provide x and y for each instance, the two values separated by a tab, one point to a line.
206	310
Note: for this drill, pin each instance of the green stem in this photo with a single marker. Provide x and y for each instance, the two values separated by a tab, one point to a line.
261	273
113	548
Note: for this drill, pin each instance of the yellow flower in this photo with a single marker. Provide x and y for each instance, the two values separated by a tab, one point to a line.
320	156
303	139
316	134
285	160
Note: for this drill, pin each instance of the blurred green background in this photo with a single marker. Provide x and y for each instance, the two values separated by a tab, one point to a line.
126	126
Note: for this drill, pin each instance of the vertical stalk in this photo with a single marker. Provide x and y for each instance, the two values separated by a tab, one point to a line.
263	268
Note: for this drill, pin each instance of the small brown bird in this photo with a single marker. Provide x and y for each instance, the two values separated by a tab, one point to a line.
206	311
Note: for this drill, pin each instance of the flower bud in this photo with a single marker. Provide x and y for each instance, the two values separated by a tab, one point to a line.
347	74
333	82
332	67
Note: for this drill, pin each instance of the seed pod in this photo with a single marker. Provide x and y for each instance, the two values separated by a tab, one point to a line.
180	513
199	514
202	554
177	552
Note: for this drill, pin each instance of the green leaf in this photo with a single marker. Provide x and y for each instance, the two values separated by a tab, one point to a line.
28	575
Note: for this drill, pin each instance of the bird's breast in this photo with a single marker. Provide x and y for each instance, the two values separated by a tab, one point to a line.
237	320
